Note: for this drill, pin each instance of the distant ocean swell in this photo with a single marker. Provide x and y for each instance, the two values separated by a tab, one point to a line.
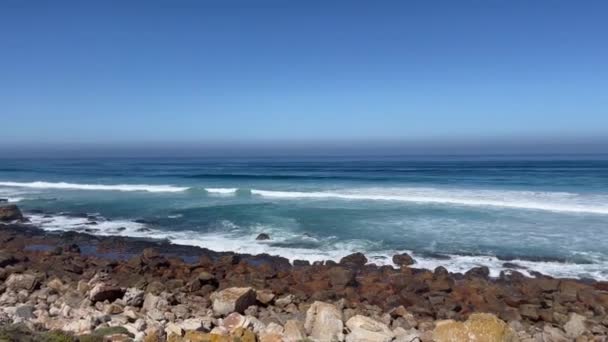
526	200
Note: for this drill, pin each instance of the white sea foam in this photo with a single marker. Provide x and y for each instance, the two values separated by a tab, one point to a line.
548	201
222	191
102	187
235	241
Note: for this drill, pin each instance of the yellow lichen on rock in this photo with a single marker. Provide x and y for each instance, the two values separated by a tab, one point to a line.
481	327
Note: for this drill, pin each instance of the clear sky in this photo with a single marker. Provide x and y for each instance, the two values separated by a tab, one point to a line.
192	71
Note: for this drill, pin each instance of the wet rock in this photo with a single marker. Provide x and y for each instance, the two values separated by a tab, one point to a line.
366	329
478	272
324	322
479	327
234	299
10	213
403	259
263	236
301	263
355	259
101	292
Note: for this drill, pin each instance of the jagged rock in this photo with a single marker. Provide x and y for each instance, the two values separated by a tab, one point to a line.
284	300
134	297
480	327
234	299
355	259
324	322
102	291
22	281
293	331
403	259
365	329
263	236
10	213
575	326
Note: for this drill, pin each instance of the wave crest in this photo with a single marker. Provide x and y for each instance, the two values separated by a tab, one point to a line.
547	201
100	187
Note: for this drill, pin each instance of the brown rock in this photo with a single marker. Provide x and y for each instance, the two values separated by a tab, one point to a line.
234	299
355	259
341	277
10	213
403	259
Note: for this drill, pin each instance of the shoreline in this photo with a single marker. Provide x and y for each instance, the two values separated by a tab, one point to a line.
92	223
181	290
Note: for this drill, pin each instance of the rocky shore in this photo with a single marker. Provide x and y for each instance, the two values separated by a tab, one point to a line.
78	287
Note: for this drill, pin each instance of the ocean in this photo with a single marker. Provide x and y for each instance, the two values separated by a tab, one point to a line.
542	213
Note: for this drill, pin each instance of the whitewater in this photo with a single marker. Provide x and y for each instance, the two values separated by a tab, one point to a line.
546	215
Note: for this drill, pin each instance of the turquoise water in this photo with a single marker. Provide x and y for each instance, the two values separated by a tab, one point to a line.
545	213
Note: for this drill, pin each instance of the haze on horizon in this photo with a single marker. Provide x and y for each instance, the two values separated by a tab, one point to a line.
310	76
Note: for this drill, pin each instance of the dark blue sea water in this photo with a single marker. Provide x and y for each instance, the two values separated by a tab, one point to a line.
545	213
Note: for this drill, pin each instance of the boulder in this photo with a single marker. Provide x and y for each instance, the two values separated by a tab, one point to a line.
234	321
553	334
22	281
264	296
10	213
293	332
479	327
365	329
575	326
103	291
263	236
234	299
478	272
324	322
134	297
355	259
341	277
403	259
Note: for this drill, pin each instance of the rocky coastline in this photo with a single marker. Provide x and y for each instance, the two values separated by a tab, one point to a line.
67	286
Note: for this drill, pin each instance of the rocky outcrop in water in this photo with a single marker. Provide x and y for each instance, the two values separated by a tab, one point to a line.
10	213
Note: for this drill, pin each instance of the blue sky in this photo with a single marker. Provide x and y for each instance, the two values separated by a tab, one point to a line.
193	71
